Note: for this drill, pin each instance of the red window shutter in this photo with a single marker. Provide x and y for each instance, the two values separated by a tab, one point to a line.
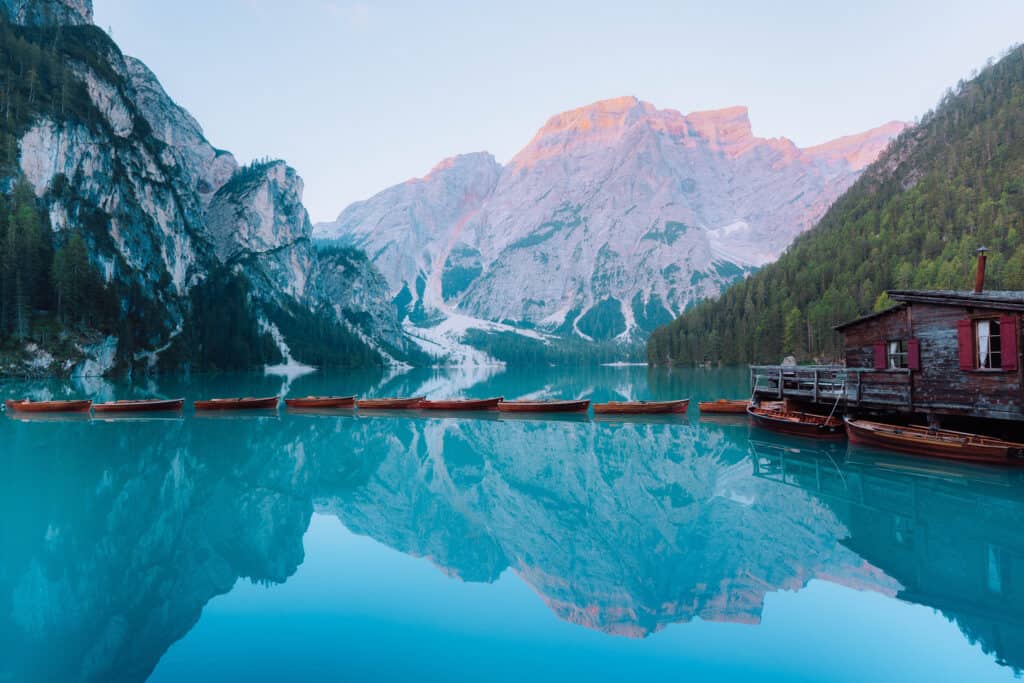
880	363
965	343
914	354
1008	339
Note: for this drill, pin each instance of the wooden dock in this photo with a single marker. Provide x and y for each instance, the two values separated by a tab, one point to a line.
827	384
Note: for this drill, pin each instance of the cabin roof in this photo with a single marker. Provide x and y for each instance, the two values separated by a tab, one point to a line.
1009	300
869	316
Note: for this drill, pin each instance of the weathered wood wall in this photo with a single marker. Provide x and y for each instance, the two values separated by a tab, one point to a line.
940	386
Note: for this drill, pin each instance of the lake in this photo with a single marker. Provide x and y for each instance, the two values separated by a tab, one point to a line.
482	548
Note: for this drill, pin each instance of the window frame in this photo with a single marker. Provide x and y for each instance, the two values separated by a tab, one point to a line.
995	345
898	359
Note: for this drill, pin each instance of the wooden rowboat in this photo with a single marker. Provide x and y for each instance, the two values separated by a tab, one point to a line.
544	406
321	402
936	443
724	406
29	406
247	403
641	407
389	403
797	423
140	406
462	404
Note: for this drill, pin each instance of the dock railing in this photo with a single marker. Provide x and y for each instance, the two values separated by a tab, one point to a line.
830	383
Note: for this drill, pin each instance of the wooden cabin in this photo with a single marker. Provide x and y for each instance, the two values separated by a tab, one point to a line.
934	354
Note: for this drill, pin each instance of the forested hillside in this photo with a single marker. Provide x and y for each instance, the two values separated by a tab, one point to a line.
943	188
128	242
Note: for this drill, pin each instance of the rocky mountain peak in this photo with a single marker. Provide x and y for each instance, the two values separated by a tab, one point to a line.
474	162
599	123
47	12
722	127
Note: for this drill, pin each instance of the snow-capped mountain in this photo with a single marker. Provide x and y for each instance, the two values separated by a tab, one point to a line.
612	220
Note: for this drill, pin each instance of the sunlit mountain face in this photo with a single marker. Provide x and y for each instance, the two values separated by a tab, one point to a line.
613	219
126	537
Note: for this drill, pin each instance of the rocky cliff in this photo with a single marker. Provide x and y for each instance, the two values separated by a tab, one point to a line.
47	12
165	213
612	220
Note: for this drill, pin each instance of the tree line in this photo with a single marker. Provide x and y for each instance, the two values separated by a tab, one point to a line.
47	281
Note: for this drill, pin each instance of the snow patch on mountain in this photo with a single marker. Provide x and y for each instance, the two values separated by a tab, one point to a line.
612	220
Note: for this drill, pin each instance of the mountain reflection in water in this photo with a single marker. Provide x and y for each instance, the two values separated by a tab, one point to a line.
118	534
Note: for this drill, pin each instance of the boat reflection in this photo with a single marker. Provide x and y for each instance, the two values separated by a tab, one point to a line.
123	532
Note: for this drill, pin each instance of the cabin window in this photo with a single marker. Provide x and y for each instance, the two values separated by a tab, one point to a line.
897	355
987	344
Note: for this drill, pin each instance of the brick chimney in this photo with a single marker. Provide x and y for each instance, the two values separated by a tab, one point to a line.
979	276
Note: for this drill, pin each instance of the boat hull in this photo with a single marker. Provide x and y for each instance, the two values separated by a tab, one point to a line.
155	406
724	407
798	424
642	407
25	406
462	404
544	406
389	403
266	403
321	402
935	444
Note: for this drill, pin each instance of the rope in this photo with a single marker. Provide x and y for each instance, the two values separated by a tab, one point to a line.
842	395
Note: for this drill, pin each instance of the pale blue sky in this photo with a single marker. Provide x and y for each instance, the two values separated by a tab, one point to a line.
361	95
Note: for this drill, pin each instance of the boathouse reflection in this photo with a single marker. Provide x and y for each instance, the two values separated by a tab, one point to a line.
948	533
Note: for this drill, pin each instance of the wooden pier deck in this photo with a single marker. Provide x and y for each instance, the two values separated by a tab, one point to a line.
827	384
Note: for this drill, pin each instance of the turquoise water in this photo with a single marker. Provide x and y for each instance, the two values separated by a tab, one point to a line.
480	548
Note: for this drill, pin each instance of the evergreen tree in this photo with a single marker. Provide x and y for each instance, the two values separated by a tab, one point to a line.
75	282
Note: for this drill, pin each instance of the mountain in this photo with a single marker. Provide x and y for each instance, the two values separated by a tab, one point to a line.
192	259
914	218
616	217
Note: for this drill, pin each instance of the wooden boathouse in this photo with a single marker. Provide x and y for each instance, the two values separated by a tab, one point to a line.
933	355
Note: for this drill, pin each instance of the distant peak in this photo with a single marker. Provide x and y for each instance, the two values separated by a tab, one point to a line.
472	160
604	122
601	114
730	123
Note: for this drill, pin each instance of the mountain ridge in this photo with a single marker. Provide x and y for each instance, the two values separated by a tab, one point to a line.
612	219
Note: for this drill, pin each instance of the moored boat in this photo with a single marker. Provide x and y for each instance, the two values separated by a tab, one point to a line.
321	402
462	404
641	407
935	443
797	423
247	403
389	403
725	406
140	406
26	405
580	406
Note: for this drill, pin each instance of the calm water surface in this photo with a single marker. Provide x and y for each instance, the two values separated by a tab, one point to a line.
480	548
